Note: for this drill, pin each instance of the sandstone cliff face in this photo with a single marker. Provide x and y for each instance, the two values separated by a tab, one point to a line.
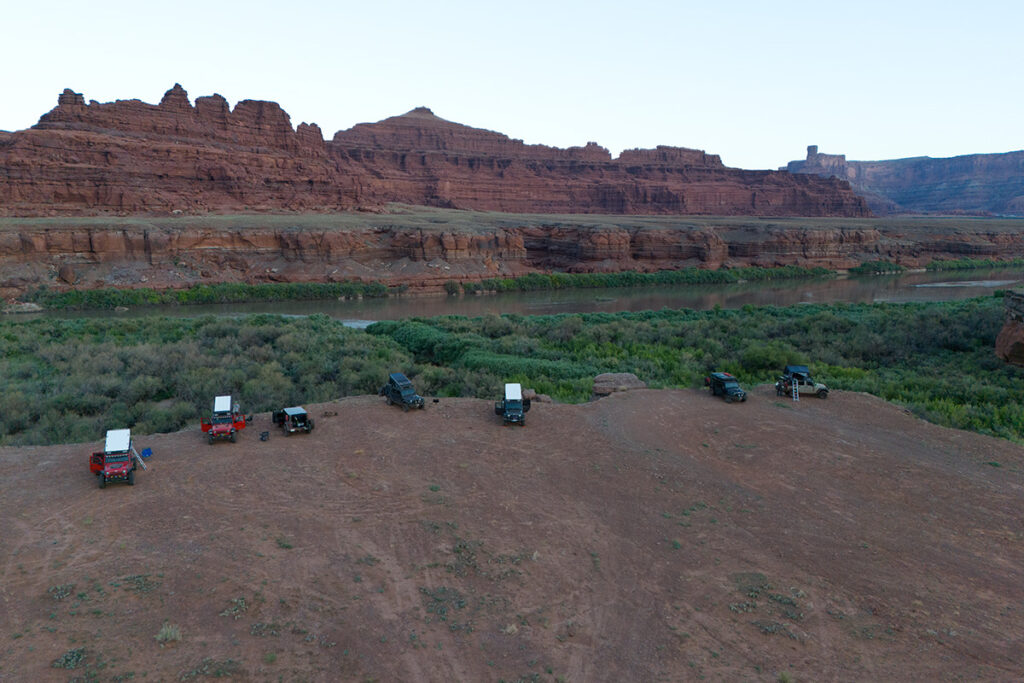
975	184
425	251
129	157
423	159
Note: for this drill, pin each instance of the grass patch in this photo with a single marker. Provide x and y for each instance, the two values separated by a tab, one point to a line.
685	276
228	292
62	591
139	583
973	264
236	608
70	659
212	668
876	268
168	633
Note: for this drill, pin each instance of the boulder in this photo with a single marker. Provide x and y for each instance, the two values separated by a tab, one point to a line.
612	382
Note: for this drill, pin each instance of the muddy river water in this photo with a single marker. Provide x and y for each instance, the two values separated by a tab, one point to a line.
905	287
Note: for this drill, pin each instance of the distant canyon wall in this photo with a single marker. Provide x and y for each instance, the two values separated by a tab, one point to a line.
132	158
974	184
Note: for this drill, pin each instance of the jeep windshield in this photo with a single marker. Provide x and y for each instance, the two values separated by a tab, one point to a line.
116	458
221	419
408	392
513	405
731	385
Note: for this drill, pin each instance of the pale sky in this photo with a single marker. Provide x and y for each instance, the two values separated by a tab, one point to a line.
752	81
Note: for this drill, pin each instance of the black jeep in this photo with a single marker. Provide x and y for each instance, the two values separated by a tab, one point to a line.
400	390
294	419
725	385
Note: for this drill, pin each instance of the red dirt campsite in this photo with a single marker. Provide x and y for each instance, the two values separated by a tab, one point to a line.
647	536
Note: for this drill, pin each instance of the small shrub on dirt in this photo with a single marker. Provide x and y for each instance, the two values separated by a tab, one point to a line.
168	633
70	659
139	583
212	668
62	591
751	584
770	628
263	630
236	609
441	601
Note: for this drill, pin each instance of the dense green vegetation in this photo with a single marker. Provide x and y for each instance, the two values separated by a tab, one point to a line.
685	276
70	380
974	263
876	267
237	292
935	358
227	292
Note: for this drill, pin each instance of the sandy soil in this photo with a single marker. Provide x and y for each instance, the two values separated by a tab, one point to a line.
649	536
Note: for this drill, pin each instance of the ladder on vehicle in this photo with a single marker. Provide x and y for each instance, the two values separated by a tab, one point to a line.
796	389
138	458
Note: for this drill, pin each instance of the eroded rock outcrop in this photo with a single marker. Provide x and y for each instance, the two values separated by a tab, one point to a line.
973	184
428	248
129	157
423	159
1010	342
615	382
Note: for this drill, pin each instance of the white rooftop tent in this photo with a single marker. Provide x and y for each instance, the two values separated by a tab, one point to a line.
118	441
513	392
222	404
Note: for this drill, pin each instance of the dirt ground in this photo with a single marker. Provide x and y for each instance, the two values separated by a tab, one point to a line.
648	536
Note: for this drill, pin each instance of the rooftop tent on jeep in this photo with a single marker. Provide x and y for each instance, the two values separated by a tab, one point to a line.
118	441
513	392
222	404
400	379
801	371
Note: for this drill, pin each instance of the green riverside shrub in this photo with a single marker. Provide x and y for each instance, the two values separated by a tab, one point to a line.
70	380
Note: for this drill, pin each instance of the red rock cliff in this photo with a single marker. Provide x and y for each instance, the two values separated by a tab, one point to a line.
130	157
974	184
426	247
423	159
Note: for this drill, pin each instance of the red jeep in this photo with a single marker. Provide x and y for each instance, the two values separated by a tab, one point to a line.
225	422
117	460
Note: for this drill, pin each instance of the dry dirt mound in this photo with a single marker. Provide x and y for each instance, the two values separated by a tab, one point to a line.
648	536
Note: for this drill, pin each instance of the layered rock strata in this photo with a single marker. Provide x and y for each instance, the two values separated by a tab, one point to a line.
427	250
973	184
132	158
